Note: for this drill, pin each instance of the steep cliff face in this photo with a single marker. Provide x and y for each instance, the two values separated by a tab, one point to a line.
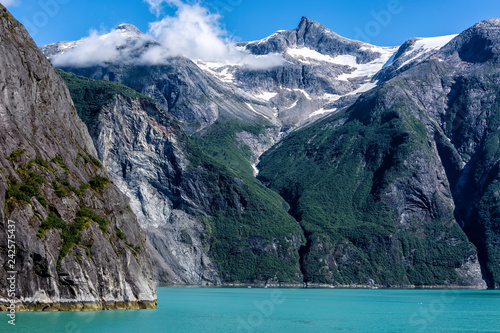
369	190
471	122
411	53
411	162
184	90
138	146
78	244
205	224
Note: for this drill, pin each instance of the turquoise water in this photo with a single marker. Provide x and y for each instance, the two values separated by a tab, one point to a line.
284	310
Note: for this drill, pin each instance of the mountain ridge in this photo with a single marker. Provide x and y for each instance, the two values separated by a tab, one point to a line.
351	88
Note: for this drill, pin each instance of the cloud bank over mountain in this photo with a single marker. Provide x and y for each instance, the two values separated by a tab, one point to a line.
193	32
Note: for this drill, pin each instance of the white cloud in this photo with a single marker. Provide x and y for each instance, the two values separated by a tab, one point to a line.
197	34
193	32
115	47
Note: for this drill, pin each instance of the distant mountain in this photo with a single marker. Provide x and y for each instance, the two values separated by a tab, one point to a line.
320	68
385	155
391	180
322	71
411	53
68	236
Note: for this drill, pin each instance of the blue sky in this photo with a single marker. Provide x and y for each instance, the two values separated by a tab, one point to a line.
380	22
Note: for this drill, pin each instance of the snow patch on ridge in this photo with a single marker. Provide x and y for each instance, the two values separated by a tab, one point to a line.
425	46
322	111
219	70
433	43
370	69
307	55
250	106
266	95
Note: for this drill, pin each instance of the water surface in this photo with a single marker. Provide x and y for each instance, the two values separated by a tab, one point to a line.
284	310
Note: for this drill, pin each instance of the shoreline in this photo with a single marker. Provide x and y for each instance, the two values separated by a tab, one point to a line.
319	286
81	306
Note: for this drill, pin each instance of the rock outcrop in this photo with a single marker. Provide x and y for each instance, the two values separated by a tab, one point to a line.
78	245
205	224
142	147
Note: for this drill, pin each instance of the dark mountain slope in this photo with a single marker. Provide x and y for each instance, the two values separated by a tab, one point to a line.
368	189
382	188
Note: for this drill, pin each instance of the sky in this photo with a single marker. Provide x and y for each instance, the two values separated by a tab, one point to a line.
379	22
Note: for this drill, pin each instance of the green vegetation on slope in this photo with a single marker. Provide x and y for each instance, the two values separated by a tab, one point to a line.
242	238
220	142
71	234
90	96
39	180
250	235
337	175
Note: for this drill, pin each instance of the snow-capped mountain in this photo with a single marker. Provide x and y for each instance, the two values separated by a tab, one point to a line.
321	73
316	72
126	31
124	45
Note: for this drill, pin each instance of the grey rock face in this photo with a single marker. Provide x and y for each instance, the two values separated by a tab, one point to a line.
457	88
143	150
185	91
478	44
51	146
258	144
178	252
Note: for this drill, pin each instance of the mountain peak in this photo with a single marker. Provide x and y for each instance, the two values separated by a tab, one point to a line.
306	22
477	44
125	27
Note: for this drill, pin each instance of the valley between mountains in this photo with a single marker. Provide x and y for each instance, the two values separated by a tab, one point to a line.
314	159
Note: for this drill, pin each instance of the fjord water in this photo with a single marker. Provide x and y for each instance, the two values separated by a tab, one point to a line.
285	310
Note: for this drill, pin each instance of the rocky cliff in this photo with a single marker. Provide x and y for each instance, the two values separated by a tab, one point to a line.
78	245
205	224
